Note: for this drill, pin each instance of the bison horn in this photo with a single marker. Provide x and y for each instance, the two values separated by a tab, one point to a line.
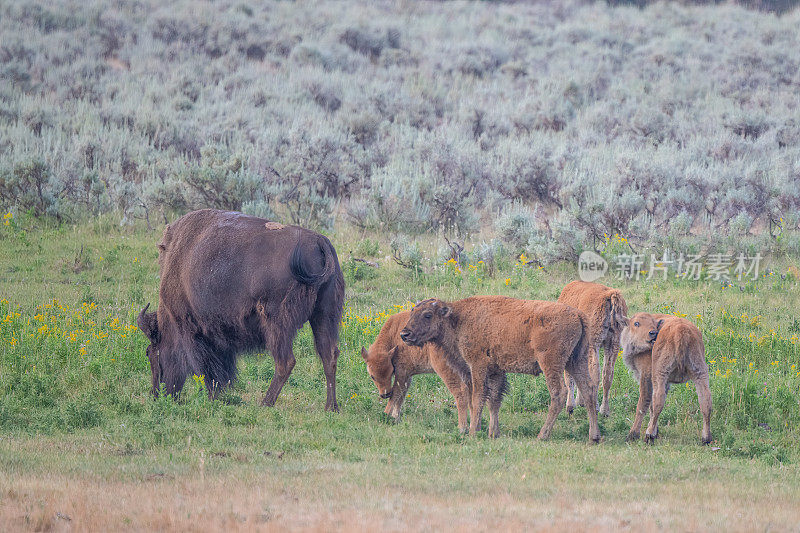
148	323
140	321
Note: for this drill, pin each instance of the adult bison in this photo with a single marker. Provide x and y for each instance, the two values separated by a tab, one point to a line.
497	334
232	283
606	310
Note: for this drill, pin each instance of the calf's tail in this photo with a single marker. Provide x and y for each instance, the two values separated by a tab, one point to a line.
581	349
618	310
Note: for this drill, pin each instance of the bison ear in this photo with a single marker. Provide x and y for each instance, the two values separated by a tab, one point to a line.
625	321
659	323
393	353
445	311
364	353
148	323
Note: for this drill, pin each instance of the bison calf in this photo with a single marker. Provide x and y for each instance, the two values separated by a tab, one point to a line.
496	334
389	356
605	309
659	350
232	283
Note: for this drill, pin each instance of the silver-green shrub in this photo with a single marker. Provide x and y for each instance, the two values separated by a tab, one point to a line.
668	122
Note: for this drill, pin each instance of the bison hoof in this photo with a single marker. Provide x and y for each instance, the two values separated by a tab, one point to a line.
632	436
707	440
570	408
605	411
650	439
332	408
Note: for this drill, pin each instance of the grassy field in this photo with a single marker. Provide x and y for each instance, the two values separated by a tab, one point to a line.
83	445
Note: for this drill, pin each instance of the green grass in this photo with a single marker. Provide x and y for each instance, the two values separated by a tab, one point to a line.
75	404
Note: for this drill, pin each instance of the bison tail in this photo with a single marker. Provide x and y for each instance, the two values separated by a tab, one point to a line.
618	310
581	350
299	268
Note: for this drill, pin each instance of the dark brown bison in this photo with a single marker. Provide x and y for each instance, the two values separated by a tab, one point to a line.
606	310
232	283
497	334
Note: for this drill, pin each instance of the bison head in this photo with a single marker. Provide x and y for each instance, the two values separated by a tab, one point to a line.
148	323
641	333
380	366
426	322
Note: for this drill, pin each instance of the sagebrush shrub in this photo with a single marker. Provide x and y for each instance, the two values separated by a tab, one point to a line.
607	120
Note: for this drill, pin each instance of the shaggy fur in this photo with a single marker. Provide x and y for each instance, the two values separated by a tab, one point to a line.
231	284
659	350
499	334
606	310
390	356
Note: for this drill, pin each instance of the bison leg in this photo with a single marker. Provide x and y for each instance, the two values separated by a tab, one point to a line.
284	363
457	387
588	390
594	372
659	397
609	359
704	397
645	397
497	387
325	336
478	397
594	365
555	385
402	382
329	367
570	384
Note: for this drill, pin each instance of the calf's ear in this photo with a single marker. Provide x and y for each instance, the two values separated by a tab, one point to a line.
364	353
625	321
393	354
445	310
148	323
659	323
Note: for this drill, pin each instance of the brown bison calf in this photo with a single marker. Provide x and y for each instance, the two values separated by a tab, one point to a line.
606	311
496	334
390	356
659	350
